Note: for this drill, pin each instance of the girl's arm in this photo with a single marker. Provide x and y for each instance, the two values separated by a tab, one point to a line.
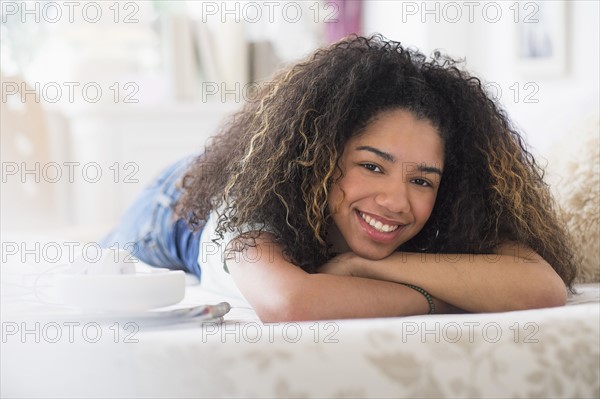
513	278
281	291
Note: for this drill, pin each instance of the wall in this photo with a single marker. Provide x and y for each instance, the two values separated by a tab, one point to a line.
109	53
489	50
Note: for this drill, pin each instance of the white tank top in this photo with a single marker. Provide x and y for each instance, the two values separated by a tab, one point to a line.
214	275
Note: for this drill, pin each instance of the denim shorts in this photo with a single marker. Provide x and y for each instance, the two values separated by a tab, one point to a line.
150	230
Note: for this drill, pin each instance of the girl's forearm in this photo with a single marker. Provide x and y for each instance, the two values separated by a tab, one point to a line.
475	283
339	297
280	291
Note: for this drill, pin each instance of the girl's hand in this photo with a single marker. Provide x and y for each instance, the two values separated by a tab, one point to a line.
442	307
349	264
341	265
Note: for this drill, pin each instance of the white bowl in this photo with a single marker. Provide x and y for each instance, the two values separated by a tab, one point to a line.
122	292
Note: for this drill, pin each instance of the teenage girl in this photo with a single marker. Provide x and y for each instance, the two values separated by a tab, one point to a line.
365	181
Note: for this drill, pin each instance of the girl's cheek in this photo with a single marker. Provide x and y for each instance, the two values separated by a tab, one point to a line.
428	209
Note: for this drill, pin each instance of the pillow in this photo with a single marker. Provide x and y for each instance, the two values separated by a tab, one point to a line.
573	174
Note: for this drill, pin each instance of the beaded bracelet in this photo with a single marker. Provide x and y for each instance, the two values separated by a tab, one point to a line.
425	294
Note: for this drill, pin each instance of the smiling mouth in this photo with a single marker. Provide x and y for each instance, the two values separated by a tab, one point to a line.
377	225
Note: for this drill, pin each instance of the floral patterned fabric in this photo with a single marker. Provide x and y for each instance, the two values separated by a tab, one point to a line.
535	353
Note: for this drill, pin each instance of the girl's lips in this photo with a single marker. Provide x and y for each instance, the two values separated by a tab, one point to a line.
376	234
381	219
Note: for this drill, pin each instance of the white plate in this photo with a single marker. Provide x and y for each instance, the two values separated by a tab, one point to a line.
167	315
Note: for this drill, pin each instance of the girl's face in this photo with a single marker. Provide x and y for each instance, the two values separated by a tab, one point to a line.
391	176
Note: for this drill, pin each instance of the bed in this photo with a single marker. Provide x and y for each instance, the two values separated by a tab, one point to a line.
536	353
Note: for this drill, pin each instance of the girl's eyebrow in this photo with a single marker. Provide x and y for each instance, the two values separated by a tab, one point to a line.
429	169
381	154
390	158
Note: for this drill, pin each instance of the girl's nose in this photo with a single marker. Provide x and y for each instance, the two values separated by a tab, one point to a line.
393	197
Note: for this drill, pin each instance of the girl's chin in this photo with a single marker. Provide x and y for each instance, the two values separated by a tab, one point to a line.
371	254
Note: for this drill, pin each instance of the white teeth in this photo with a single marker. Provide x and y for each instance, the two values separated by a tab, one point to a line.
377	225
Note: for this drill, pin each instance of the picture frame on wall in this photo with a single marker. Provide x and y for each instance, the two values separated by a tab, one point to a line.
541	38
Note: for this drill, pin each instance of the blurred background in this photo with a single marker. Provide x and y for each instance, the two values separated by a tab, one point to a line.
97	97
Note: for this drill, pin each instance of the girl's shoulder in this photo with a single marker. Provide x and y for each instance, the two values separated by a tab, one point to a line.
214	238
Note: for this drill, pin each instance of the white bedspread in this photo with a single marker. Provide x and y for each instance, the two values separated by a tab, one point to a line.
537	353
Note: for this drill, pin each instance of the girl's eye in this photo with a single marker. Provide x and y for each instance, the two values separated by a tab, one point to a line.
371	167
422	182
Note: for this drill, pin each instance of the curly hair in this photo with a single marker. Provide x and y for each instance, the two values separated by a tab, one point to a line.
275	160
